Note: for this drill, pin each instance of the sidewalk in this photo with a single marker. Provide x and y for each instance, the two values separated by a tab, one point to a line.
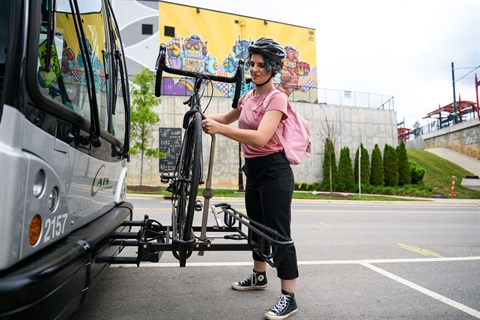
472	165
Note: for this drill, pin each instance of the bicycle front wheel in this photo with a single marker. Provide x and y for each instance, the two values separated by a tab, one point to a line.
190	170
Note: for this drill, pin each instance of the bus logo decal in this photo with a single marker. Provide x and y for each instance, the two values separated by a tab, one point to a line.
99	183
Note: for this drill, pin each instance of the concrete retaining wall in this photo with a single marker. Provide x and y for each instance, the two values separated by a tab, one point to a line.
347	126
462	137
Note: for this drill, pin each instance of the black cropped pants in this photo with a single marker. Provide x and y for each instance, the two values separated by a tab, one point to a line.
268	196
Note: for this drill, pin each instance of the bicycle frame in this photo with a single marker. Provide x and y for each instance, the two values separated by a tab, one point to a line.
185	180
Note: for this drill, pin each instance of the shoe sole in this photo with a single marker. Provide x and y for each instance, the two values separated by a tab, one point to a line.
271	317
240	288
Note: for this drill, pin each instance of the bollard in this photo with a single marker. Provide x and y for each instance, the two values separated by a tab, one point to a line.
452	191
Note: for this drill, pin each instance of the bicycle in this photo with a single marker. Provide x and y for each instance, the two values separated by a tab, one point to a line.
186	178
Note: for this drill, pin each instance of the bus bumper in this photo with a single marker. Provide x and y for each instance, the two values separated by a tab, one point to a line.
53	283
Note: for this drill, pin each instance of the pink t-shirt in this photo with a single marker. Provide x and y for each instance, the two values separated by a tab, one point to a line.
251	114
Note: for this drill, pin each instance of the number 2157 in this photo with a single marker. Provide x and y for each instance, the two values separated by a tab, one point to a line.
55	226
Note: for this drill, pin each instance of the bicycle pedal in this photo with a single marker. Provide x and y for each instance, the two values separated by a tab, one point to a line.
165	177
198	205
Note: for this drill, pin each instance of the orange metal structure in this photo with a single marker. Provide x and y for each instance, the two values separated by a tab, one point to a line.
402	133
463	107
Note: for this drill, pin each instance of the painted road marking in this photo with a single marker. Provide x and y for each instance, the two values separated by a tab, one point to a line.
300	263
421	251
423	290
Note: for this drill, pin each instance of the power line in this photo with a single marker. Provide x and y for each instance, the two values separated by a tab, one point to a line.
473	69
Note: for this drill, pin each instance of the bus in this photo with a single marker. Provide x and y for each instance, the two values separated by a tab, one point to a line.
64	143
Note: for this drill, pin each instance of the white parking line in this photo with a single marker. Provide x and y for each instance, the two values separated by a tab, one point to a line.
423	290
300	263
366	263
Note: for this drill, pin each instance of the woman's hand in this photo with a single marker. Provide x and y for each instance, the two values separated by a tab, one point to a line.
210	126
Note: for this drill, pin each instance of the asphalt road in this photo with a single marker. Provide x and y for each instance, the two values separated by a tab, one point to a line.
357	260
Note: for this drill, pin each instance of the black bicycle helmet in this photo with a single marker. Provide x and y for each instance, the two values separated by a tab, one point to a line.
269	48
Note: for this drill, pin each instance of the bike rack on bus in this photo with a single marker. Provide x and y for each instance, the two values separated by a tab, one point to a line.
152	239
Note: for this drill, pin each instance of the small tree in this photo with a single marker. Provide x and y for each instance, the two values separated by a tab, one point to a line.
143	117
364	166
404	176
345	170
329	166
417	129
417	172
390	165
376	171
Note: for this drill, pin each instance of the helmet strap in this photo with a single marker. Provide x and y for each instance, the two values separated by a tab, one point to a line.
259	85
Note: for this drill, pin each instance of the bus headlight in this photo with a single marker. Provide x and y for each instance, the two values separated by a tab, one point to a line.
39	183
35	230
53	199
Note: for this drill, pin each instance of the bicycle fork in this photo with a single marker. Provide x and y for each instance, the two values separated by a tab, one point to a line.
207	195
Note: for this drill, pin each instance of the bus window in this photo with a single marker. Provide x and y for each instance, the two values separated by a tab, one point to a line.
66	80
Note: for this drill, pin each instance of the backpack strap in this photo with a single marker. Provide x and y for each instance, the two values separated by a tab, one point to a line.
247	96
267	98
265	102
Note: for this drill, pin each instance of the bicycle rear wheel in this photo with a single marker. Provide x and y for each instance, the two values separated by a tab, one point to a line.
189	175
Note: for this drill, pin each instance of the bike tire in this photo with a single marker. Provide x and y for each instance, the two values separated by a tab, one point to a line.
190	174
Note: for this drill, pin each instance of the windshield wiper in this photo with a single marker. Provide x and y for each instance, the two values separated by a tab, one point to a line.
118	63
51	7
89	76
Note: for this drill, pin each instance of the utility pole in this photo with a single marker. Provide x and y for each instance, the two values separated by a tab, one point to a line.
454	96
360	164
477	83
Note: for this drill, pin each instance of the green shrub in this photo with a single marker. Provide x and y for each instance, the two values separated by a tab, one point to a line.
389	190
303	186
364	165
376	170
416	172
329	166
390	166
315	186
345	171
403	167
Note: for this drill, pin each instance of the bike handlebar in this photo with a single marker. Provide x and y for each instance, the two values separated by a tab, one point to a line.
162	66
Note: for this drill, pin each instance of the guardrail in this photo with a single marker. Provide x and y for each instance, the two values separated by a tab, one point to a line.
437	124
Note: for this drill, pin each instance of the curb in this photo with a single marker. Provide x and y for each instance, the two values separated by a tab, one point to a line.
408	200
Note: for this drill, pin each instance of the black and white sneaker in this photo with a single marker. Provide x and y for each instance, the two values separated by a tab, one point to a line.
286	307
255	281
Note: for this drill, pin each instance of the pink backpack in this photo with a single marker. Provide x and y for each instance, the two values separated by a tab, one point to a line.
295	138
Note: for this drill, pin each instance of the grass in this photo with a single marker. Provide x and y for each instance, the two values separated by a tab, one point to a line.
437	183
439	174
230	193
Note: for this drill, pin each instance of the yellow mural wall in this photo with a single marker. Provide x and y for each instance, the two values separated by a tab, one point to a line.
212	42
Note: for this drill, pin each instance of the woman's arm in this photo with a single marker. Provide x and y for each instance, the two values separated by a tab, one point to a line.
256	138
225	118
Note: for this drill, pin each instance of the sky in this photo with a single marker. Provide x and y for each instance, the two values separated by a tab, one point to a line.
399	48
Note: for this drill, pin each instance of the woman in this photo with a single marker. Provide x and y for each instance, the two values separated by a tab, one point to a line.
270	181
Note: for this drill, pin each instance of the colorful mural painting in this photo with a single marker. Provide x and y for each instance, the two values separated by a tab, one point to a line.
72	65
213	42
